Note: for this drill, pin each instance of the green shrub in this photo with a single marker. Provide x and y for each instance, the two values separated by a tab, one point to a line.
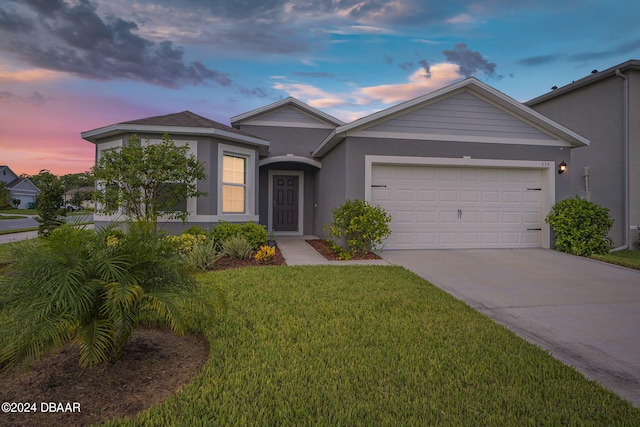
203	255
196	231
93	288
255	234
237	247
360	226
581	227
185	242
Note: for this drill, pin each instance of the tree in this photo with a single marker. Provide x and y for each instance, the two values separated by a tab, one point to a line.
71	181
148	181
5	196
49	203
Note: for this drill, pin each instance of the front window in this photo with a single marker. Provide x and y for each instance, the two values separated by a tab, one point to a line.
234	184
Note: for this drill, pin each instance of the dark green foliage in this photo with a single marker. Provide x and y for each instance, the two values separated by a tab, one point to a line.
5	196
92	288
581	227
255	234
360	226
149	181
50	203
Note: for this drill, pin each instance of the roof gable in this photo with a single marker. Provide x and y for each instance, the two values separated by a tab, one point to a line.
460	117
462	112
288	112
6	174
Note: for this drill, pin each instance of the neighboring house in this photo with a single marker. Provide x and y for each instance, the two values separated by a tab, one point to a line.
465	166
605	107
19	188
68	196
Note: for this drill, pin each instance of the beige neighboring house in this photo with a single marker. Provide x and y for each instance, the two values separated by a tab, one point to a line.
19	188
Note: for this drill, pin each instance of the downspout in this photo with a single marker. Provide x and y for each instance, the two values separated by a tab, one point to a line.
625	158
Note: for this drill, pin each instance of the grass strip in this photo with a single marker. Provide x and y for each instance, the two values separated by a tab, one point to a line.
626	258
372	345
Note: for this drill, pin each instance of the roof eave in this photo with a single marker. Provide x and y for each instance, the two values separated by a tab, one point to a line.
94	135
235	120
632	63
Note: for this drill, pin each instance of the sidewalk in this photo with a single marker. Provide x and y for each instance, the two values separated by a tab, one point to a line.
13	237
297	251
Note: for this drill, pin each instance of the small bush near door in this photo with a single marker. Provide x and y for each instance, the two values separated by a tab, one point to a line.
360	225
581	227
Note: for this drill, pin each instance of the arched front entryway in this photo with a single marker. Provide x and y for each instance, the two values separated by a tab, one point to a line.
287	194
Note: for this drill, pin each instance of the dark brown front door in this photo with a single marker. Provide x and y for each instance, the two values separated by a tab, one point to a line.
285	203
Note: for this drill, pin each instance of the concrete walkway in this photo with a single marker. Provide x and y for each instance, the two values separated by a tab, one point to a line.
585	312
297	251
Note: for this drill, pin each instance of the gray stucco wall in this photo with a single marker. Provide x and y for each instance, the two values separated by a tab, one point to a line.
288	140
343	168
595	111
331	187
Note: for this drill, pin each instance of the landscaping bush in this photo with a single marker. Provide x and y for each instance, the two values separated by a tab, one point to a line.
581	227
266	254
255	234
203	255
237	247
93	288
360	226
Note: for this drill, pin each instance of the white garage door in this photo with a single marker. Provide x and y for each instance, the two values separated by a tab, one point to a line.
436	207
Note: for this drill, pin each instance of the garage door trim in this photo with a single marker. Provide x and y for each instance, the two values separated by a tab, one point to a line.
547	168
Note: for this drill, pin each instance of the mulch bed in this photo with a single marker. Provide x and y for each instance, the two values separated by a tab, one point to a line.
154	365
325	249
226	262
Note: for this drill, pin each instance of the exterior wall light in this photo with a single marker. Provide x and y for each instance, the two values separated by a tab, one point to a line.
562	167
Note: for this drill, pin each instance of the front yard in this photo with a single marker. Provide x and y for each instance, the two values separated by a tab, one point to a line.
366	345
336	345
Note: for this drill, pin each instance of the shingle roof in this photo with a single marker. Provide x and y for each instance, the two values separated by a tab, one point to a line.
184	119
184	123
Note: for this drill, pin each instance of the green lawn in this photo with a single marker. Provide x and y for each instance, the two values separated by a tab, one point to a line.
11	217
629	259
372	345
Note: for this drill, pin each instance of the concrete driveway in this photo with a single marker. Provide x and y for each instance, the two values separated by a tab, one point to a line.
586	313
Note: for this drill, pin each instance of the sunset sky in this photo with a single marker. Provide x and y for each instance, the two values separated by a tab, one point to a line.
67	66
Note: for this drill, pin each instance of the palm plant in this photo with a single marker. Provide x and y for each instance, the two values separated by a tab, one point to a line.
92	288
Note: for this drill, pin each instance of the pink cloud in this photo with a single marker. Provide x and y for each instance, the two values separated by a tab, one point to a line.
419	84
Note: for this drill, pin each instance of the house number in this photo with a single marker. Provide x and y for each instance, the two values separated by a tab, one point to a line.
546	164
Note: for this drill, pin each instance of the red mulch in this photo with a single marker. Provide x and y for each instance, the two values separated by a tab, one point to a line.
325	249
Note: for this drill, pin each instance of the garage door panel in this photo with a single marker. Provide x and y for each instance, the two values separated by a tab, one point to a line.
458	207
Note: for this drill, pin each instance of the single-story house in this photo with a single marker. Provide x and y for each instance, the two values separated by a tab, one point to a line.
465	166
605	107
19	188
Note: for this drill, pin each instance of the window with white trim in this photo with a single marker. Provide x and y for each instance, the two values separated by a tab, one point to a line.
234	183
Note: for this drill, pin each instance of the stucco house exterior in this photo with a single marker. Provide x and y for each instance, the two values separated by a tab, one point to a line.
19	188
465	166
605	107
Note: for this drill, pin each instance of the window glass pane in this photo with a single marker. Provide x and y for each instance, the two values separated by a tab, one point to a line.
232	199
233	170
